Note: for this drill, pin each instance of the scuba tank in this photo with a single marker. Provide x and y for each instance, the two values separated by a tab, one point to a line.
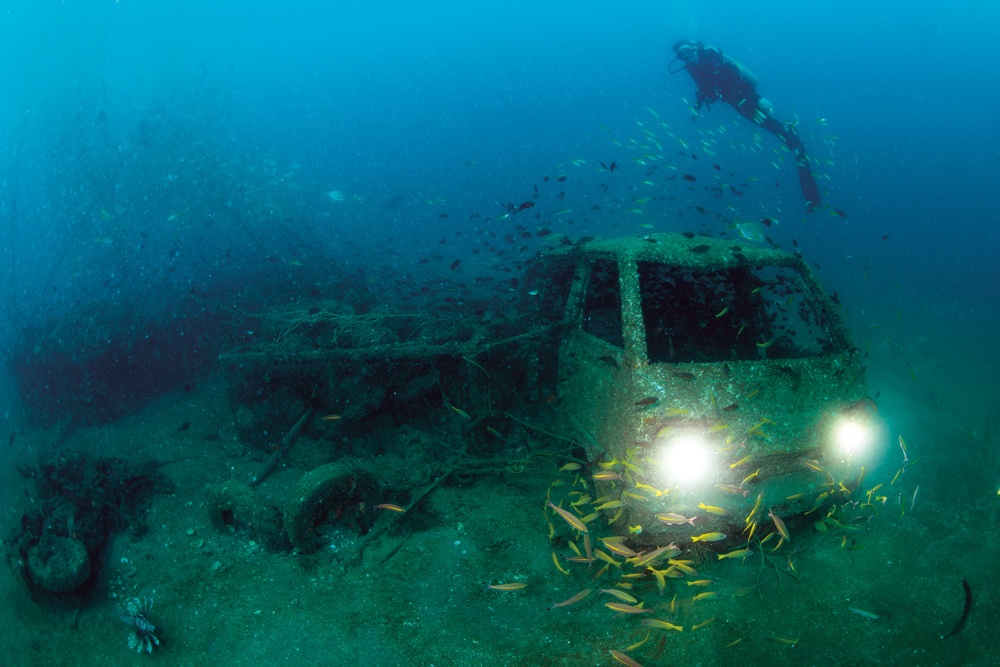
745	73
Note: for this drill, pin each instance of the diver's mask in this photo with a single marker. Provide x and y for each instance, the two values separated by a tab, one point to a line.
687	53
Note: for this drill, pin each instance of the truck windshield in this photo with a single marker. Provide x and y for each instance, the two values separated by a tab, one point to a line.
742	313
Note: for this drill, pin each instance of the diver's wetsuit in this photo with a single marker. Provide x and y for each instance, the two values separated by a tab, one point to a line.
719	78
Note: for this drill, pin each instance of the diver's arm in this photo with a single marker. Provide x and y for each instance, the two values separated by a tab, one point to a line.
706	98
702	100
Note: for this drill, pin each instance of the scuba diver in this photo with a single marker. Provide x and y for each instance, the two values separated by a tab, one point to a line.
721	78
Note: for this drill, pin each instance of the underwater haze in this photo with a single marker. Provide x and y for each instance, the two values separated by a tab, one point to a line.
193	193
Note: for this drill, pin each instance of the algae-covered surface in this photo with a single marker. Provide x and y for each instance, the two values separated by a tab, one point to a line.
418	595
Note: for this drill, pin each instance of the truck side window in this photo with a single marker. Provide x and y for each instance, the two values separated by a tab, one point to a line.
602	303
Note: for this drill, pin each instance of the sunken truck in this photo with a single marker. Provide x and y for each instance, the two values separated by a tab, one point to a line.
700	384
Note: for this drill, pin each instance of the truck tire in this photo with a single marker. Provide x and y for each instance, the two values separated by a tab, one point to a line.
333	490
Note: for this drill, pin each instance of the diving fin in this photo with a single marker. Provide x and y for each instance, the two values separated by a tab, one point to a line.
809	189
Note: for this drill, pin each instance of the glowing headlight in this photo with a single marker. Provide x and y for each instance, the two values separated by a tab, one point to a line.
686	460
852	437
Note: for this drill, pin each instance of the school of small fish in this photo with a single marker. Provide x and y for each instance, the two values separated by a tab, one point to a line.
586	501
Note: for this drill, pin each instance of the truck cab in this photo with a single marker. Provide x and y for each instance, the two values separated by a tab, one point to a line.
708	377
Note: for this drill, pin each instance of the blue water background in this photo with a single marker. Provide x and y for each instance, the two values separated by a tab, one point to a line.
173	109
